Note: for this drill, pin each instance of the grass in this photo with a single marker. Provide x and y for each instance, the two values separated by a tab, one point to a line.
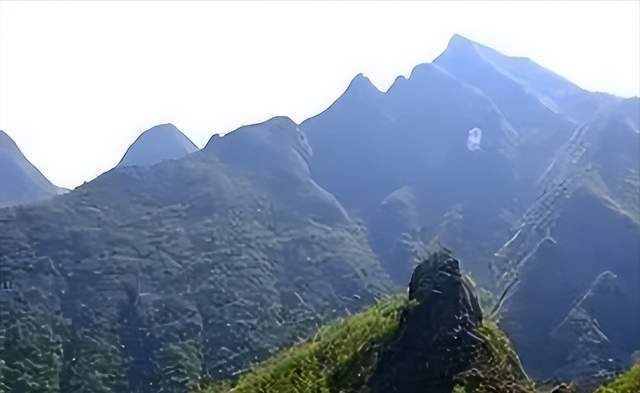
496	367
339	358
628	382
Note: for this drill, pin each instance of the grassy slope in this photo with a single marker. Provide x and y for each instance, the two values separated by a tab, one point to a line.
340	357
628	382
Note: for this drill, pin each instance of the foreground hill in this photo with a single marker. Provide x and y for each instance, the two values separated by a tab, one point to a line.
407	345
21	181
433	341
156	276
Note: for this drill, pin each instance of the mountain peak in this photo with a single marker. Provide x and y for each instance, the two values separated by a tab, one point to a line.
6	141
21	181
458	40
159	143
361	86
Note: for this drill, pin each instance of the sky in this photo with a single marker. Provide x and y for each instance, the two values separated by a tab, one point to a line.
79	81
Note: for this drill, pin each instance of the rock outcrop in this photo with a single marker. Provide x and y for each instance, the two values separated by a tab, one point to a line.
435	340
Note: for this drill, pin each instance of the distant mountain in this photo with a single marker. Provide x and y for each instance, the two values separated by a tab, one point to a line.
583	226
159	275
159	143
21	181
454	153
512	81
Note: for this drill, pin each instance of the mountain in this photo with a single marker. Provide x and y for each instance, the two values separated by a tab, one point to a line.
22	182
531	179
160	275
181	266
512	80
159	143
584	226
467	159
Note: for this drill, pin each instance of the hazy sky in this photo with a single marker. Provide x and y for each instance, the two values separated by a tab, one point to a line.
80	80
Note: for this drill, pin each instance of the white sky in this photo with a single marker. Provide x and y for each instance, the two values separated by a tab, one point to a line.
80	80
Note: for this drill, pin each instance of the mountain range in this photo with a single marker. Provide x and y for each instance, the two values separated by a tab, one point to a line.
182	265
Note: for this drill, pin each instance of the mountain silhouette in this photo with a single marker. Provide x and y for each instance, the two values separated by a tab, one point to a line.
21	181
162	142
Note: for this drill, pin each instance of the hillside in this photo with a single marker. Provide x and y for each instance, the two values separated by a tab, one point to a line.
365	352
452	153
348	354
585	226
160	275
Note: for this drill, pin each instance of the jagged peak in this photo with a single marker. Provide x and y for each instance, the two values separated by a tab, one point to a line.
361	87
362	82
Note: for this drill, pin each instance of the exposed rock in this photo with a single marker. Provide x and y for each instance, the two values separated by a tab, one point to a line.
435	339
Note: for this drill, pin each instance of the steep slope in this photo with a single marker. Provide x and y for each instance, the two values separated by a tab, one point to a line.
466	139
159	143
584	226
20	181
158	276
431	134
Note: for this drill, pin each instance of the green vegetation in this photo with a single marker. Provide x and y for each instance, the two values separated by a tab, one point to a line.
339	358
150	279
628	382
496	367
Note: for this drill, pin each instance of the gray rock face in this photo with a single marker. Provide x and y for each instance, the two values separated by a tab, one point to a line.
20	181
162	142
435	339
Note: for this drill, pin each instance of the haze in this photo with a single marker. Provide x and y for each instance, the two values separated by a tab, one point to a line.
80	81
